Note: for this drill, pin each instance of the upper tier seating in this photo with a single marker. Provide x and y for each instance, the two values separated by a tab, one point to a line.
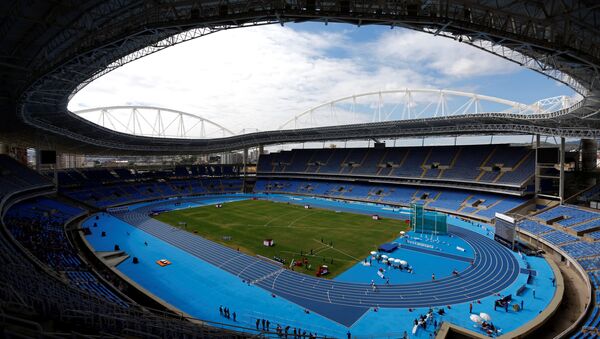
99	176
110	195
15	176
486	164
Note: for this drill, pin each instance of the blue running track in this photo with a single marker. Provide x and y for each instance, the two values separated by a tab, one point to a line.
494	269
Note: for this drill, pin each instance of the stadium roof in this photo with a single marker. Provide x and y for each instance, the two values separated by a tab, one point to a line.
52	49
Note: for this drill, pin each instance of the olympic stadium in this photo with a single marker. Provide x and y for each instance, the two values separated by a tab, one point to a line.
341	220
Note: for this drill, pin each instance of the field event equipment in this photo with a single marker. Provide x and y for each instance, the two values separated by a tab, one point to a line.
429	222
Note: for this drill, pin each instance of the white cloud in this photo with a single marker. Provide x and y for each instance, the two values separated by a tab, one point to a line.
442	55
260	77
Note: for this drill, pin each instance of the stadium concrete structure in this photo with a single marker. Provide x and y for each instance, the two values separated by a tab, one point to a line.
55	284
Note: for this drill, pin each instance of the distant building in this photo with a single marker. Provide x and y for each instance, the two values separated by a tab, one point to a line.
70	161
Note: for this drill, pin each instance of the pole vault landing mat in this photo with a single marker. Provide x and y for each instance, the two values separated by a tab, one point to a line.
388	247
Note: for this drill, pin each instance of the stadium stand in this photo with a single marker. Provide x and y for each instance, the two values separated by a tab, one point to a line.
39	303
98	176
559	238
568	216
534	227
551	225
591	326
117	194
14	177
594	235
581	249
40	220
38	225
34	297
501	165
590	194
54	48
475	204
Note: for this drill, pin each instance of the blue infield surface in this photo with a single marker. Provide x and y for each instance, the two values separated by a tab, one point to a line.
205	275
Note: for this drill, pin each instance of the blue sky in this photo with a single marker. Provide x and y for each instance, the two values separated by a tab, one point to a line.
517	84
260	77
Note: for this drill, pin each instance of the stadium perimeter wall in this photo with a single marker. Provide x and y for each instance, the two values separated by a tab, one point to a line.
559	255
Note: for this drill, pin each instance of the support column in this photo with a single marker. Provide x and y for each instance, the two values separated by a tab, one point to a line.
244	160
589	158
561	183
589	152
37	159
537	168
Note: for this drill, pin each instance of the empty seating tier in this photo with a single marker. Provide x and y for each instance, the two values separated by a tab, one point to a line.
500	165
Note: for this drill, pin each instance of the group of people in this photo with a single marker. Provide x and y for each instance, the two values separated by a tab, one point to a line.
503	302
224	312
379	259
423	321
284	332
489	328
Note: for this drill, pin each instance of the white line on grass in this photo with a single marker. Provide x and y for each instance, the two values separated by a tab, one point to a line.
340	251
302	217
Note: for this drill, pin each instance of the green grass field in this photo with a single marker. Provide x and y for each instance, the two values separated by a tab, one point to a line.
338	240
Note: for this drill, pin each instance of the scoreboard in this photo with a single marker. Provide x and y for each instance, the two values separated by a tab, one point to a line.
505	230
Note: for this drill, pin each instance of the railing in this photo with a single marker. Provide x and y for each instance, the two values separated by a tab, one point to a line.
577	323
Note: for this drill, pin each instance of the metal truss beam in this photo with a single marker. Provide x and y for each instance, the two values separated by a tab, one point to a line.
559	38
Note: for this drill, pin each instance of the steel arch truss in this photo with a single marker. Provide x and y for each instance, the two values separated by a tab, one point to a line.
59	55
411	103
155	122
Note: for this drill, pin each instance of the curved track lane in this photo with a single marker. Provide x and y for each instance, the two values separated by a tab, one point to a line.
494	269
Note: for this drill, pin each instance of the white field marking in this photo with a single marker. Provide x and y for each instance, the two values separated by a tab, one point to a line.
340	251
279	216
318	257
248	266
256	281
230	259
303	216
287	226
321	249
274	280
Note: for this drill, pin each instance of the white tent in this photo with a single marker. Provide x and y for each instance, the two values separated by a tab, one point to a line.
475	318
485	316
